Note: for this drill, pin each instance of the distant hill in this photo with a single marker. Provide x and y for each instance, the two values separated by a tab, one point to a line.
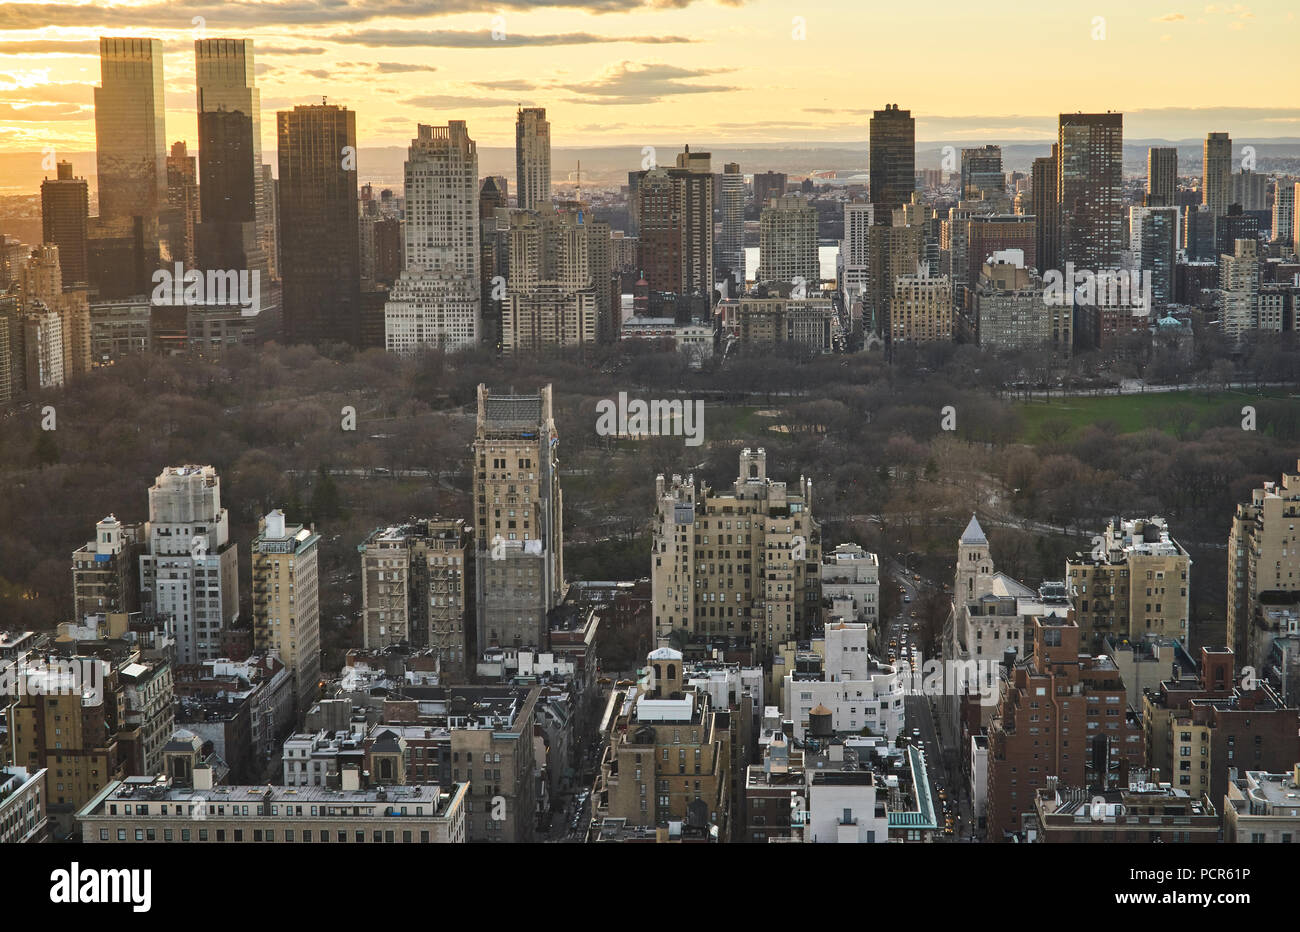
21	172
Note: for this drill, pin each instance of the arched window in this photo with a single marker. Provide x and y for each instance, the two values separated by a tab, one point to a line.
672	671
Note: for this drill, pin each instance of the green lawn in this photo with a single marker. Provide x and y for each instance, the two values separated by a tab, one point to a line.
1131	412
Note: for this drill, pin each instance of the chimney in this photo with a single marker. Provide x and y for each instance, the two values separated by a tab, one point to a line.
202	777
351	778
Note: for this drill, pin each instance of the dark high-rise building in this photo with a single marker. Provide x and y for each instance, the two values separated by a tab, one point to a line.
65	208
130	134
183	204
532	157
1198	233
1235	224
768	185
893	160
1046	215
674	210
1158	239
1162	176
230	155
981	172
1090	189
319	257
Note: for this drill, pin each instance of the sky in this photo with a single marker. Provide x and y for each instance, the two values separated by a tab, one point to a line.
634	72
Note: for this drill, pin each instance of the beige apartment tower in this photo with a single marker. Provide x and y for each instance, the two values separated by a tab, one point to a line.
1263	568
532	158
1133	583
518	519
742	564
286	599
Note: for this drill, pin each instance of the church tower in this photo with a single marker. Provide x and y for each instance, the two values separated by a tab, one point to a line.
974	565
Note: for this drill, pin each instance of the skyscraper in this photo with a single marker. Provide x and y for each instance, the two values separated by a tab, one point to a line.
519	521
532	157
1046	213
1090	189
788	243
731	242
319	258
130	134
190	573
695	177
1216	173
230	155
674	208
436	300
981	173
1162	176
65	207
854	261
1283	212
551	296
893	160
183	204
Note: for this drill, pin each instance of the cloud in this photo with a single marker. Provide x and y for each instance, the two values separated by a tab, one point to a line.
482	39
233	15
452	101
511	84
50	47
629	83
1169	18
41	112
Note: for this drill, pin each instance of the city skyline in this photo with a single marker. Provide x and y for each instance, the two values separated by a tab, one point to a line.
706	70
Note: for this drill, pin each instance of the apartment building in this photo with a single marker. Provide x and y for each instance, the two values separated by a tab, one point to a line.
105	571
1263	567
286	599
851	583
190	573
1134	581
1063	713
668	754
744	563
155	809
417	588
1140	813
518	521
1263	808
22	806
